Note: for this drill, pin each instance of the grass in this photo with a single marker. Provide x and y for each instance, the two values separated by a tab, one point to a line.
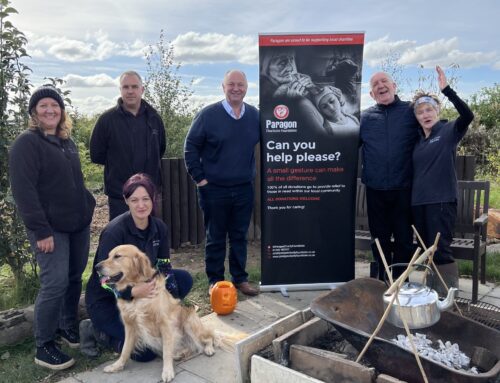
492	267
495	195
17	365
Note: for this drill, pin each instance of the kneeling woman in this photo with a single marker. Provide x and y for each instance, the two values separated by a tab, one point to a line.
136	227
434	190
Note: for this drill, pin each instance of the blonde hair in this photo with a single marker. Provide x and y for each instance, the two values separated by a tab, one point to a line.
422	93
63	128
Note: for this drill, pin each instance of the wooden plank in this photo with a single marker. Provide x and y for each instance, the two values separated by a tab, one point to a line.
260	340
175	228
328	366
383	378
200	224
469	168
167	195
304	335
183	202
192	213
460	167
266	371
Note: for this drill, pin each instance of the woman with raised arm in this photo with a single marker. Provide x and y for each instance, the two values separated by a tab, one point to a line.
434	190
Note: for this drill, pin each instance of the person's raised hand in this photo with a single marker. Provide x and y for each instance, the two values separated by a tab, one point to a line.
443	83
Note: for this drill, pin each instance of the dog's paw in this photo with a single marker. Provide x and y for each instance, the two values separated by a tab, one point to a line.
167	375
114	367
209	350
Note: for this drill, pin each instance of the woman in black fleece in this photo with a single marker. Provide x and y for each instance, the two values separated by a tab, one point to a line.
434	190
56	208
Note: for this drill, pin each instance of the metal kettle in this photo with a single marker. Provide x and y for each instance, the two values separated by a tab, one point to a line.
418	304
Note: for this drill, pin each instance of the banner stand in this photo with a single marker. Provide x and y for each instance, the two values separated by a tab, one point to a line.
309	96
284	289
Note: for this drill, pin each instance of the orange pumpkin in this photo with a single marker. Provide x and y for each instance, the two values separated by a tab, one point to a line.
223	298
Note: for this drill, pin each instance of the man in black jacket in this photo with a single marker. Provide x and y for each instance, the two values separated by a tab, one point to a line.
388	133
128	139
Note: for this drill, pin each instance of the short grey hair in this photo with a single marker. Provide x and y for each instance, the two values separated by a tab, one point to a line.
391	79
235	70
130	73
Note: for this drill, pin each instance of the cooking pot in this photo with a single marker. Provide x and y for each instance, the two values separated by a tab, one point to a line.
418	304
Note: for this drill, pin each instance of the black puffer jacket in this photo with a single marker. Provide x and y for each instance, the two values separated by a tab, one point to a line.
115	145
388	134
47	184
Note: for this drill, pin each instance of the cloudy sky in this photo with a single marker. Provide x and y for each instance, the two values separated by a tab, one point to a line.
89	43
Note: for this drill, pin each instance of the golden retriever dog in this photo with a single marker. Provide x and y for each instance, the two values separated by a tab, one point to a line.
161	322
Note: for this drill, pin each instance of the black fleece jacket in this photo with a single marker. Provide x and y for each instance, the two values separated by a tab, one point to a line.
47	184
126	144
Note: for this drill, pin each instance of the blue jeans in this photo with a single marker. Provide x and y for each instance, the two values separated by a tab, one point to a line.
56	305
227	212
106	318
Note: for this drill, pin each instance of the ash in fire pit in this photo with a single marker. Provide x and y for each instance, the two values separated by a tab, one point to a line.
446	353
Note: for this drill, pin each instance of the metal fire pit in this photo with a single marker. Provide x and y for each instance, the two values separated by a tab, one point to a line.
355	310
481	312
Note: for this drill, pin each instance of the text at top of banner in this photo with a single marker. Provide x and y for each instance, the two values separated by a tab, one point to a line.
312	39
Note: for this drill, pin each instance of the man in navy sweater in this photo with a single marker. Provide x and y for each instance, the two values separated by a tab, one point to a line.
219	155
388	133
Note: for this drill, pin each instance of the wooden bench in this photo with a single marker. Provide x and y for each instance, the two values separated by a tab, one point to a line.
469	240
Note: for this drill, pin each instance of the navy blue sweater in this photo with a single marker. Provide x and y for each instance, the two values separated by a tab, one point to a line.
219	148
434	175
388	134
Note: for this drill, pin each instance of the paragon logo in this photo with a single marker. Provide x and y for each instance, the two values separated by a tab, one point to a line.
281	112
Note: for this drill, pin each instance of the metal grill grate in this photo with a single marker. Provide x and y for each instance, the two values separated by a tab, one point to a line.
481	312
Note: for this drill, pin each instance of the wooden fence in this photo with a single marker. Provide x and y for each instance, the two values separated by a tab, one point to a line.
184	218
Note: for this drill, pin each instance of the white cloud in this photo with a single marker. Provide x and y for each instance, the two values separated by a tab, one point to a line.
196	48
444	52
439	52
93	105
95	47
376	52
101	80
198	80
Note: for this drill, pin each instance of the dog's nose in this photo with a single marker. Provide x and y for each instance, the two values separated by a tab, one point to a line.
98	267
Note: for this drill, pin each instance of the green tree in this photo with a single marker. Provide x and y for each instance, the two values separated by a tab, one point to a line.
14	94
82	130
483	138
168	94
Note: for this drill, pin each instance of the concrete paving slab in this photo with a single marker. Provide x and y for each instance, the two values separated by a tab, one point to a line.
133	372
187	377
219	368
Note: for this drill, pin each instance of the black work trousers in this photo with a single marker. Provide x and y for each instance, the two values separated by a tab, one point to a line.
389	217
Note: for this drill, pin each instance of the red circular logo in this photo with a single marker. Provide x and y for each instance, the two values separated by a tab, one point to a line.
281	112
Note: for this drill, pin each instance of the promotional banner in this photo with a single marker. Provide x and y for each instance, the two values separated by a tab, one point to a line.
309	106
